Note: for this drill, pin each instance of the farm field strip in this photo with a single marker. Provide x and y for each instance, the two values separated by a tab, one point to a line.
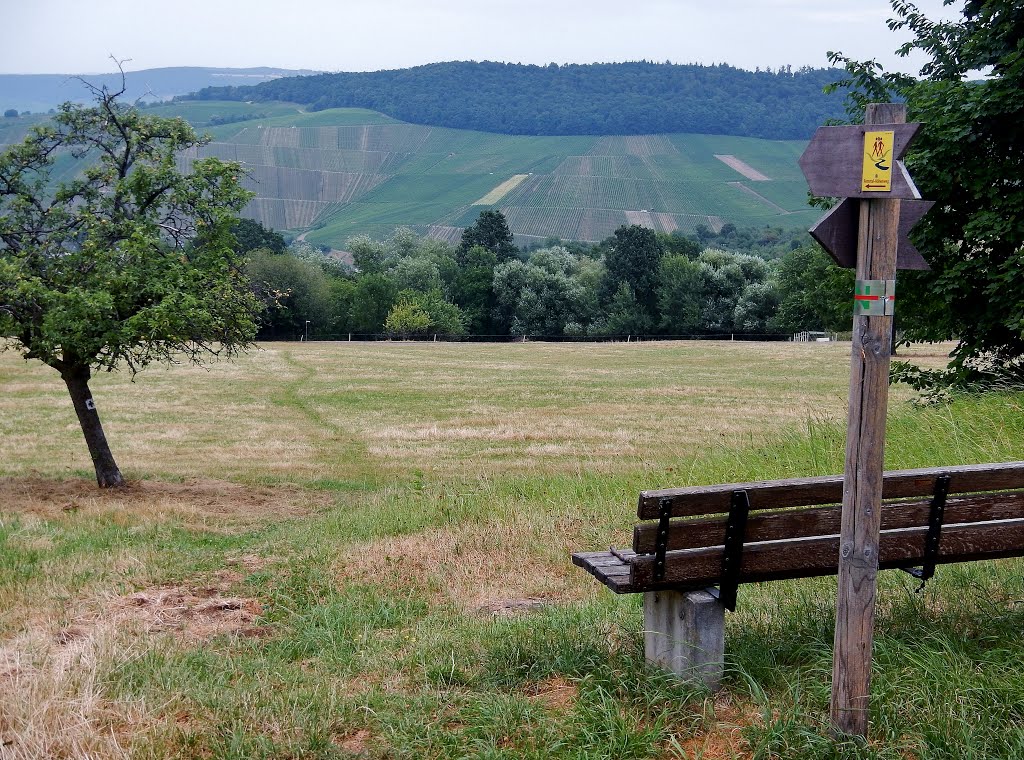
742	167
501	190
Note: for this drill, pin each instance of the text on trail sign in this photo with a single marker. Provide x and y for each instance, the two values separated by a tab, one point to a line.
876	176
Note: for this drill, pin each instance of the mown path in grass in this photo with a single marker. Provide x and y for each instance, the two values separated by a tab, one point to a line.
337	550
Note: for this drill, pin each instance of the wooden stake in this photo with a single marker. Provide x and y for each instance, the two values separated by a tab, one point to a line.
865	448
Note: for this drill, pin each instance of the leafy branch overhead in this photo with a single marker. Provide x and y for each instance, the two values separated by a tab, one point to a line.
126	262
969	158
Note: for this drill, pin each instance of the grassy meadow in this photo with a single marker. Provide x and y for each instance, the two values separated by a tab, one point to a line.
334	550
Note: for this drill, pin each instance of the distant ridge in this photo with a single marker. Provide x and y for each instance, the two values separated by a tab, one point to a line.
41	92
592	99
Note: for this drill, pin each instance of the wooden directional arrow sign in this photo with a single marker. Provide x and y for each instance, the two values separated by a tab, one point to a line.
837	233
860	161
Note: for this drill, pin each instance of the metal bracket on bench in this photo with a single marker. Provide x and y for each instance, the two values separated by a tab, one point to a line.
661	540
931	541
732	551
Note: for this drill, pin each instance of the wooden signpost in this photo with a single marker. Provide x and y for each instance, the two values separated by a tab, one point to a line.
863	162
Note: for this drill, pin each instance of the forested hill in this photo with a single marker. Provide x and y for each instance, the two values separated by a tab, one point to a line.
593	99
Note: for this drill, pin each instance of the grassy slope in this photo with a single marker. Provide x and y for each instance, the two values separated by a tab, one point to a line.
395	499
349	171
343	172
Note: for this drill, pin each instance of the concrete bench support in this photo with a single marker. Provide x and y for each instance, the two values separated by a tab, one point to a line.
684	633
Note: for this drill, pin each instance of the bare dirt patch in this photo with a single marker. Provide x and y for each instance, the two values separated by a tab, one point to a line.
666	222
200	501
742	167
723	739
191	614
356	743
556	694
641	218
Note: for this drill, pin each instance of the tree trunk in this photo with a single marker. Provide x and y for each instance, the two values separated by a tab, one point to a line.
107	473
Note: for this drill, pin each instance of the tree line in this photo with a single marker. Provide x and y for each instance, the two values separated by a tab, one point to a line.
574	99
637	282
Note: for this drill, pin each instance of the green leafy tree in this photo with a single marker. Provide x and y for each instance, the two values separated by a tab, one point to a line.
541	296
723	280
626	316
969	158
130	262
372	299
814	293
755	307
368	255
633	259
490	231
416	273
407	319
681	295
472	288
250	235
418	313
677	244
294	290
340	294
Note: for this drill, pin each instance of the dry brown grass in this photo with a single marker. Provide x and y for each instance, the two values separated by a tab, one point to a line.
200	503
722	736
300	412
52	700
556	694
501	190
477	567
52	703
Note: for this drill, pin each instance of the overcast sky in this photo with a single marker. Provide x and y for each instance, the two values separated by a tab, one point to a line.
78	36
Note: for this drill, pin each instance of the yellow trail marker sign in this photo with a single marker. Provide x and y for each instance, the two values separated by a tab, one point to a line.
836	163
877	174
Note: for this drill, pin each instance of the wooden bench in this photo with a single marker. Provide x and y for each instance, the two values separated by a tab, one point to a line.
726	535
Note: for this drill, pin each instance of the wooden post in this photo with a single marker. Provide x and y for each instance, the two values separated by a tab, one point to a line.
865	449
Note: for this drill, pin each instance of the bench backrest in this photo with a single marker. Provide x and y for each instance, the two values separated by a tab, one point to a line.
800	538
800	492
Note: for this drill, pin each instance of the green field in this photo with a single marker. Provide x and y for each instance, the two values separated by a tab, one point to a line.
343	172
361	550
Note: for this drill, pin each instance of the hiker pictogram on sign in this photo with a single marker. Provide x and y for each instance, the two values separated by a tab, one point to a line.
877	174
854	162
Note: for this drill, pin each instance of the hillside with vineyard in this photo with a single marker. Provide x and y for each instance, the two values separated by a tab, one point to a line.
337	173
